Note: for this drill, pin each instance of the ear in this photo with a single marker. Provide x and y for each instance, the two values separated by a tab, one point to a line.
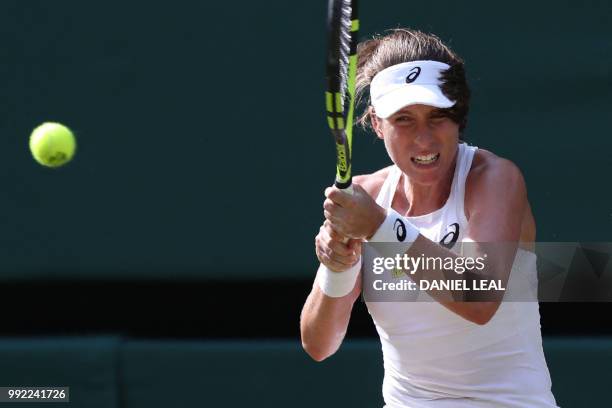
376	123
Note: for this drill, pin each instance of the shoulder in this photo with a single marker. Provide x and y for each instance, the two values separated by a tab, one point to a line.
487	164
494	177
372	183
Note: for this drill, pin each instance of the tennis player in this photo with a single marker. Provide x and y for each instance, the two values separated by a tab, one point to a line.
442	192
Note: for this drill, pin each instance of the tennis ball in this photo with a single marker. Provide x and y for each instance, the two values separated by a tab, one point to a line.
52	144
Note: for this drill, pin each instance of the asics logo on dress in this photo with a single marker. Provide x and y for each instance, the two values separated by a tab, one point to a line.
448	240
400	230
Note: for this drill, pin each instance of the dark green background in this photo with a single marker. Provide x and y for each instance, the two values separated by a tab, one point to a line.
203	149
113	372
203	154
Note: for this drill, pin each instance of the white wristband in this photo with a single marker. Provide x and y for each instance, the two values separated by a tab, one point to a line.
395	228
338	284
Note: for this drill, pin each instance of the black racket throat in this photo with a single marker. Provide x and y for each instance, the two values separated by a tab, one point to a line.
343	186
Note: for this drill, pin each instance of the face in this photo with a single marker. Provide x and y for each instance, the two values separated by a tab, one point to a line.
420	141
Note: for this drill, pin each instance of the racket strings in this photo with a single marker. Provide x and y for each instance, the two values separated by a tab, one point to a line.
345	42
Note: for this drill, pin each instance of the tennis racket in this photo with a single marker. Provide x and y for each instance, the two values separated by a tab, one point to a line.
342	30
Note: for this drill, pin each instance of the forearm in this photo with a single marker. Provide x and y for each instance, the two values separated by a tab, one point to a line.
324	321
462	302
475	306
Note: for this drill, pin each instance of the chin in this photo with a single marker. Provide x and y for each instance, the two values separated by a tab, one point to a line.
426	176
425	179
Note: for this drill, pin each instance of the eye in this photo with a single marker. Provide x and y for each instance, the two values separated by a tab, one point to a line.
403	119
438	120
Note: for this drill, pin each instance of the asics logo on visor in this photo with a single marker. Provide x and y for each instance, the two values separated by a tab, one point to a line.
413	75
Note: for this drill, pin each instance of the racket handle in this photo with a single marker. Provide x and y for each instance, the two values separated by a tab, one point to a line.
348	186
348	189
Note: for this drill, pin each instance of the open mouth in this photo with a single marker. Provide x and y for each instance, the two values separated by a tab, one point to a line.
426	158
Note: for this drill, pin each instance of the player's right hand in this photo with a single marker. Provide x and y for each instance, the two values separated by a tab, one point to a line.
334	251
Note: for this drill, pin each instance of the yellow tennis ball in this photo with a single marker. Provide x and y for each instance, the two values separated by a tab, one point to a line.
52	144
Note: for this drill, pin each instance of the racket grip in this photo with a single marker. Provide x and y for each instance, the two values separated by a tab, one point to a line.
348	189
347	185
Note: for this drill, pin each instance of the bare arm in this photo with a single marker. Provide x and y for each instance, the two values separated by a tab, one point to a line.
496	202
324	320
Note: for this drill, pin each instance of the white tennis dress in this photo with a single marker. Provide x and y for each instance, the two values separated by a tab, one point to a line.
435	358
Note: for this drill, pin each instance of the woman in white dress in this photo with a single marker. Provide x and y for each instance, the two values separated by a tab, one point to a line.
442	192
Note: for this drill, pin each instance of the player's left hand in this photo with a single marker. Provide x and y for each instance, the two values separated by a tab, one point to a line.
354	215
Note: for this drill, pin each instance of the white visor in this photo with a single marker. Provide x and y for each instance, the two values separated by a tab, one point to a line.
408	83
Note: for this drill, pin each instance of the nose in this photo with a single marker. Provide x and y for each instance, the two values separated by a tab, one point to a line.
423	137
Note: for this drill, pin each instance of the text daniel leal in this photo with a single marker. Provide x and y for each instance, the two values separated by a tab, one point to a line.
478	284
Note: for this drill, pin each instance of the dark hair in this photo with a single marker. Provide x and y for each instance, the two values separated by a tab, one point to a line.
404	45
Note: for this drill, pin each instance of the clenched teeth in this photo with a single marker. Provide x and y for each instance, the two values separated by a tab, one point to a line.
426	159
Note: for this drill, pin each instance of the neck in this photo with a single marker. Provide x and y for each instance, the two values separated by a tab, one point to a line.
419	199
